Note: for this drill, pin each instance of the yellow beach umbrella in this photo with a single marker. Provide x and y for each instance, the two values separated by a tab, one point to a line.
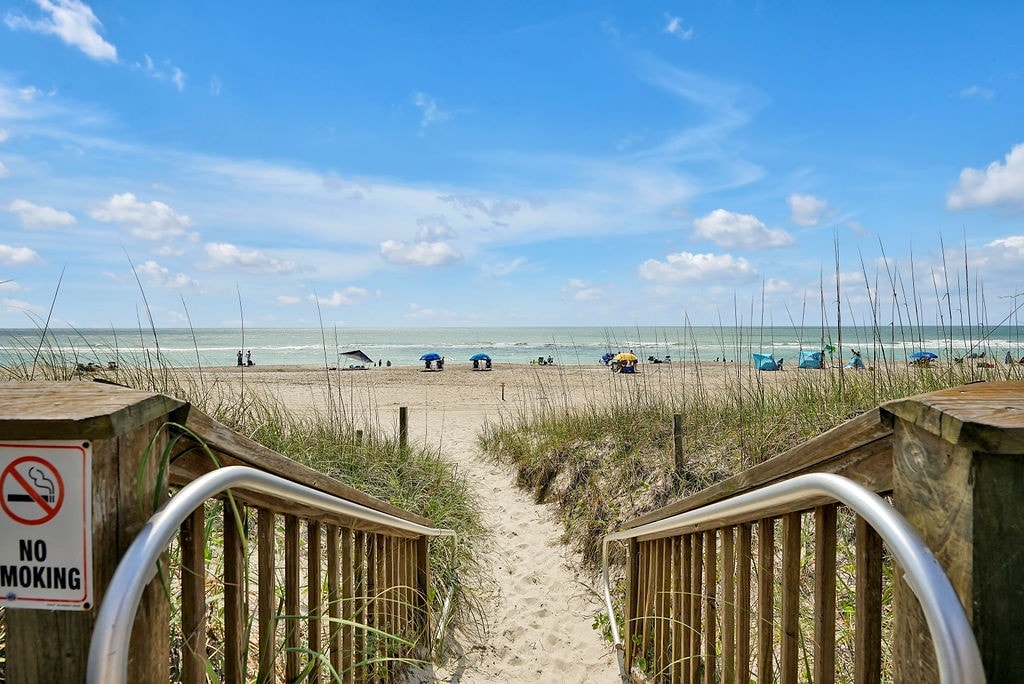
625	356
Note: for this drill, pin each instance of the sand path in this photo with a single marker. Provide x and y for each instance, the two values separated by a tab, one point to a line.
539	619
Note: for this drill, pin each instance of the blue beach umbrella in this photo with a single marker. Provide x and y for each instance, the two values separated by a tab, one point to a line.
430	356
480	357
917	356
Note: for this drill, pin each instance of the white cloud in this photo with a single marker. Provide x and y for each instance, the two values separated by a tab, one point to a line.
251	260
35	216
494	209
4	173
160	276
287	300
503	268
433	228
419	253
686	267
148	221
674	26
728	229
806	210
976	91
70	20
14	256
4	135
582	291
997	184
165	71
9	285
215	85
345	297
19	305
432	114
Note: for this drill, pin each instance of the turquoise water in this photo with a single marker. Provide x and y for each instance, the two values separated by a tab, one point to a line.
568	345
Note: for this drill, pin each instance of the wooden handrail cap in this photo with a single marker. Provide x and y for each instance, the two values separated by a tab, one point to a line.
985	416
77	410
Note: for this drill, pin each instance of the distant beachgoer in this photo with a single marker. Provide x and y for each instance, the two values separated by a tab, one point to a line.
426	364
239	357
487	363
389	363
248	358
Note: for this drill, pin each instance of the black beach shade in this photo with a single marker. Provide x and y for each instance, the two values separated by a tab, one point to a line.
480	357
358	355
430	356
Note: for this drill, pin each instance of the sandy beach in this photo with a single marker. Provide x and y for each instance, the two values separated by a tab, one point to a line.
540	612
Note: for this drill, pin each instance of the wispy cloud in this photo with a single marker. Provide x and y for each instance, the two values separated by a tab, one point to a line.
419	253
582	291
70	20
997	184
36	216
728	229
976	91
806	210
16	256
431	113
164	71
160	276
146	220
686	267
4	172
346	297
674	26
215	85
225	255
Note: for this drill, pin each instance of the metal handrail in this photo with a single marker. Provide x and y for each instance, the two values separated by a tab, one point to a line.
955	648
108	650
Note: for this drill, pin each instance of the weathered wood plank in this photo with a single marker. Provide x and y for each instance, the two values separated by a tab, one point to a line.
291	598
334	631
791	525
266	597
825	521
710	607
728	605
868	628
765	599
193	597
314	593
235	521
696	624
744	558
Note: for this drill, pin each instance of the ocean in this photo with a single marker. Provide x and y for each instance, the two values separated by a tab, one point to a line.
565	345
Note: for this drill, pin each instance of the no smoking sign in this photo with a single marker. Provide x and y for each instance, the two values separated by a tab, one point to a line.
46	525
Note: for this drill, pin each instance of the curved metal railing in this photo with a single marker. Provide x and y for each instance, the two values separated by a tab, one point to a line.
955	648
108	650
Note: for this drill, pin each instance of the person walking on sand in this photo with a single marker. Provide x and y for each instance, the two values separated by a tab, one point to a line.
239	357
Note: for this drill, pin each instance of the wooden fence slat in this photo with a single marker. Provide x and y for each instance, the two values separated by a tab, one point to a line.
744	559
868	629
686	566
334	629
678	618
291	598
631	605
825	521
266	596
314	591
790	597
235	590
710	606
728	605
660	661
697	587
193	597
359	606
765	598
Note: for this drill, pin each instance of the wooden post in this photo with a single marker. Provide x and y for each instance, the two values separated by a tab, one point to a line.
959	480
53	646
677	443
403	426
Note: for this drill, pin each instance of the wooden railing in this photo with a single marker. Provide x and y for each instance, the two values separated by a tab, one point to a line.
808	592
258	587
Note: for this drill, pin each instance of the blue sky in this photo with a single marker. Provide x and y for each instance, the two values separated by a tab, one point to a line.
528	163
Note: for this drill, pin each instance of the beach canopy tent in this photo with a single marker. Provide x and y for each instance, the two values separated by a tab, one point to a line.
480	357
431	356
357	355
810	359
766	362
923	355
855	362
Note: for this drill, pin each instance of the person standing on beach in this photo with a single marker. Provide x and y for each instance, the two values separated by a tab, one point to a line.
239	357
